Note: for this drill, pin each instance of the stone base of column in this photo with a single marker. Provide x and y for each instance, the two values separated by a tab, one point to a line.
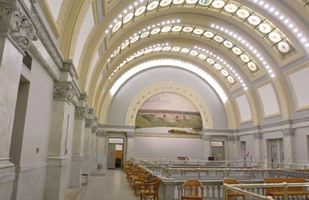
76	171
86	164
7	176
29	178
57	179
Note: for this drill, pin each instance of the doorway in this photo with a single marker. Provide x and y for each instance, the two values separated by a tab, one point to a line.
243	151
217	149
276	152
115	153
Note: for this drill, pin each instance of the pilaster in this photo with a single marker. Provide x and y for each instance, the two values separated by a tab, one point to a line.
289	145
16	34
258	150
101	148
206	145
78	143
130	145
233	147
89	124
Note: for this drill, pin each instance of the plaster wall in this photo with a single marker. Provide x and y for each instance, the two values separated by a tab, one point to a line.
124	96
302	147
155	147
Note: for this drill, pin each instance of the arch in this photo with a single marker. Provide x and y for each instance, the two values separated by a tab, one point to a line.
173	87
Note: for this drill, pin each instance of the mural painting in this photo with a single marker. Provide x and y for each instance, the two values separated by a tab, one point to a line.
169	110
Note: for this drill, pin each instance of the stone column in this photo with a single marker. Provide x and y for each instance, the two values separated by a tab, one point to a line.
100	150
78	143
130	145
258	148
232	148
206	146
289	145
56	172
90	123
16	34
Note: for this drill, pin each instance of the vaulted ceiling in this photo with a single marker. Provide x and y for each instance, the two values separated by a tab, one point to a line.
252	56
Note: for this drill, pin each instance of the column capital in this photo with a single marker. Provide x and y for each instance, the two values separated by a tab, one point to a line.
130	134
94	130
288	132
80	113
17	24
83	96
101	133
233	138
206	137
64	91
89	123
257	135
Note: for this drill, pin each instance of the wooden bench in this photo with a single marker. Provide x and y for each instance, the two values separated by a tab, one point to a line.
292	191
230	193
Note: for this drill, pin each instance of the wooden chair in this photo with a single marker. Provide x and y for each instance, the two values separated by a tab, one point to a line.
232	193
141	182
151	189
192	189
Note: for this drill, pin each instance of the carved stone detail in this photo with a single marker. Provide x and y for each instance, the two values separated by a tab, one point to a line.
64	91
233	138
6	12
101	133
81	112
22	30
288	131
94	129
257	135
89	123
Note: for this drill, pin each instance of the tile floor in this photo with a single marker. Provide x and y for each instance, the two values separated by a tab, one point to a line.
112	186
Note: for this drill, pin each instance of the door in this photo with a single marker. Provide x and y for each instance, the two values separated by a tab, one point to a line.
217	149
111	154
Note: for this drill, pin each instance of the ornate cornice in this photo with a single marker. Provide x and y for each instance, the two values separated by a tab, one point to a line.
63	91
233	138
45	37
83	97
81	113
68	66
288	131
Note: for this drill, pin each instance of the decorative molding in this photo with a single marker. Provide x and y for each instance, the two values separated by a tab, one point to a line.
233	138
166	135
45	37
130	134
81	113
83	97
63	91
288	132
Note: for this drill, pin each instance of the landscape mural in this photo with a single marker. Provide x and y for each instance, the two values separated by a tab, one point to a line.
168	110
